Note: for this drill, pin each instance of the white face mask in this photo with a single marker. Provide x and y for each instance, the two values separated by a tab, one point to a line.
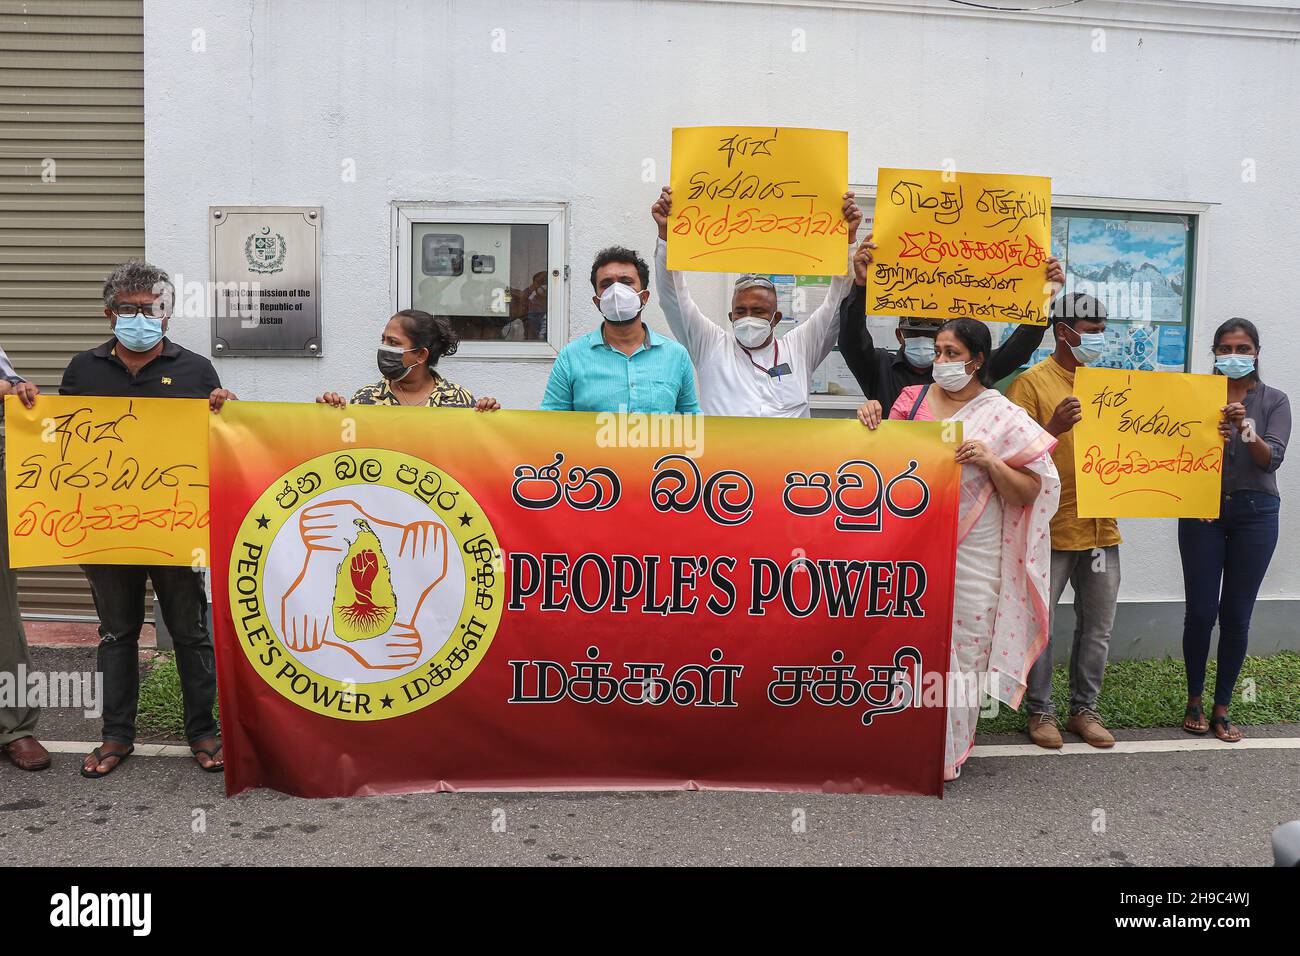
751	332
620	303
951	376
1092	345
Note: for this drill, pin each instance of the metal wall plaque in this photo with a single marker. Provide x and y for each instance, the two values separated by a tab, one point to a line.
265	271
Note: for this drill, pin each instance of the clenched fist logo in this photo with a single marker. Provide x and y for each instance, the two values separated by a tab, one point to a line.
361	618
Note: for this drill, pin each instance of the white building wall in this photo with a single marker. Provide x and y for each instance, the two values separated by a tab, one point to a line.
585	93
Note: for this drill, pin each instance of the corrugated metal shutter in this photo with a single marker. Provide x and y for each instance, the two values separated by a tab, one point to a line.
71	198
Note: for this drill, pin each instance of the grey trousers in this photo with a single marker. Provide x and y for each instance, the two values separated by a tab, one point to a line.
1094	575
15	722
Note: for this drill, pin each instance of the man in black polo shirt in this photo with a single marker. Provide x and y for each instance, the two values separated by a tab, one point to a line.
141	362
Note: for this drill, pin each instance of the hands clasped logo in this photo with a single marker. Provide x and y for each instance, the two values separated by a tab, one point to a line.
345	557
365	591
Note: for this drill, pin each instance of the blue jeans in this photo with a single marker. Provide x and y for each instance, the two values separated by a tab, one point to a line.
1224	561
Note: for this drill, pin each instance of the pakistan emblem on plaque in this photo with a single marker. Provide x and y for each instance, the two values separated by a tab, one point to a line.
265	252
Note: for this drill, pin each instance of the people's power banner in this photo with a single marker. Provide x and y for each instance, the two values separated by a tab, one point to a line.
413	599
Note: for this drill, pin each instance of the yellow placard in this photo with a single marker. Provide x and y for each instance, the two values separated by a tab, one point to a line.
107	481
759	199
1148	445
961	245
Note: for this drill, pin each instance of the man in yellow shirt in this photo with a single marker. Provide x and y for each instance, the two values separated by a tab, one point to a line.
1085	551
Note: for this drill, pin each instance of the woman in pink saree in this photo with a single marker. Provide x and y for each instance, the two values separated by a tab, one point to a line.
1009	492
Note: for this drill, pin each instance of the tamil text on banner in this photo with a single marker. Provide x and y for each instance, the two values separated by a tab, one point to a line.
107	481
409	599
955	245
1148	445
759	199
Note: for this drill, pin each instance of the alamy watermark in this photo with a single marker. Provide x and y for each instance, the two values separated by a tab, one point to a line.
23	688
191	299
627	429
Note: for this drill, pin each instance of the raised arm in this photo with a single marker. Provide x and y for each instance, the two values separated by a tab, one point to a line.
688	324
1015	351
820	332
856	347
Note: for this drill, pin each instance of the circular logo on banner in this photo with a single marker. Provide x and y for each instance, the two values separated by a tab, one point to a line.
365	585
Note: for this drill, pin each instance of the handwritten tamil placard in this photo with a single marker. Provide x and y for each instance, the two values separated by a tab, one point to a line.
759	199
107	481
961	245
1148	445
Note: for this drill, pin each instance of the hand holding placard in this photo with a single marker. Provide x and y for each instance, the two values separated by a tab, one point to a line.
1148	445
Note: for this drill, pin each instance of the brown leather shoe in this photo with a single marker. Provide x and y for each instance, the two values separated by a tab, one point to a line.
1043	730
1088	725
27	754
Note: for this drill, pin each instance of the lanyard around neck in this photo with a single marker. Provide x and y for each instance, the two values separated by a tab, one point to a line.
776	360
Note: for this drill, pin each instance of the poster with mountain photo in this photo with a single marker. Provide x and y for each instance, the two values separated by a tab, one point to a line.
1136	264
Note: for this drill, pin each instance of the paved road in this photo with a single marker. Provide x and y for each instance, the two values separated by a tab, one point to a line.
1200	808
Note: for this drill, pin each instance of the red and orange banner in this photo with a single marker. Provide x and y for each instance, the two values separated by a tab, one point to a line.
409	599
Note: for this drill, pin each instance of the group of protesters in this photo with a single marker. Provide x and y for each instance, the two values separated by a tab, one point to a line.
1020	538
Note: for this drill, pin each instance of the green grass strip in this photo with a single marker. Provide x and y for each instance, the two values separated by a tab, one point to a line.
1154	694
1135	694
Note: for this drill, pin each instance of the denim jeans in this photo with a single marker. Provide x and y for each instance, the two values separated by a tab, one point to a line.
119	599
1224	562
1094	574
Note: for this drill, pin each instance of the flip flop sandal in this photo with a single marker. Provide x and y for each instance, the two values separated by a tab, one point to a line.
211	754
100	757
1225	722
1196	713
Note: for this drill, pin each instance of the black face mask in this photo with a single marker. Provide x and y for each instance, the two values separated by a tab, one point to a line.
390	362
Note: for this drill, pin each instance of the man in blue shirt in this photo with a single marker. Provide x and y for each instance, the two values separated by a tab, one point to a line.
623	366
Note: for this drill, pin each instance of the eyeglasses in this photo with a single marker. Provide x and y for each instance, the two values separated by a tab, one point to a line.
129	310
751	278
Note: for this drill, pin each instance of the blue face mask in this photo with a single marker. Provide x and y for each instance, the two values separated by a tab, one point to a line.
138	332
1235	366
1091	347
919	350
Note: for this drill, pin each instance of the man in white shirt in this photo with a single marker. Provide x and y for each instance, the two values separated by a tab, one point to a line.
744	369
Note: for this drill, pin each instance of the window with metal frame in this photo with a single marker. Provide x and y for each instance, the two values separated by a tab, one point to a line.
497	271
